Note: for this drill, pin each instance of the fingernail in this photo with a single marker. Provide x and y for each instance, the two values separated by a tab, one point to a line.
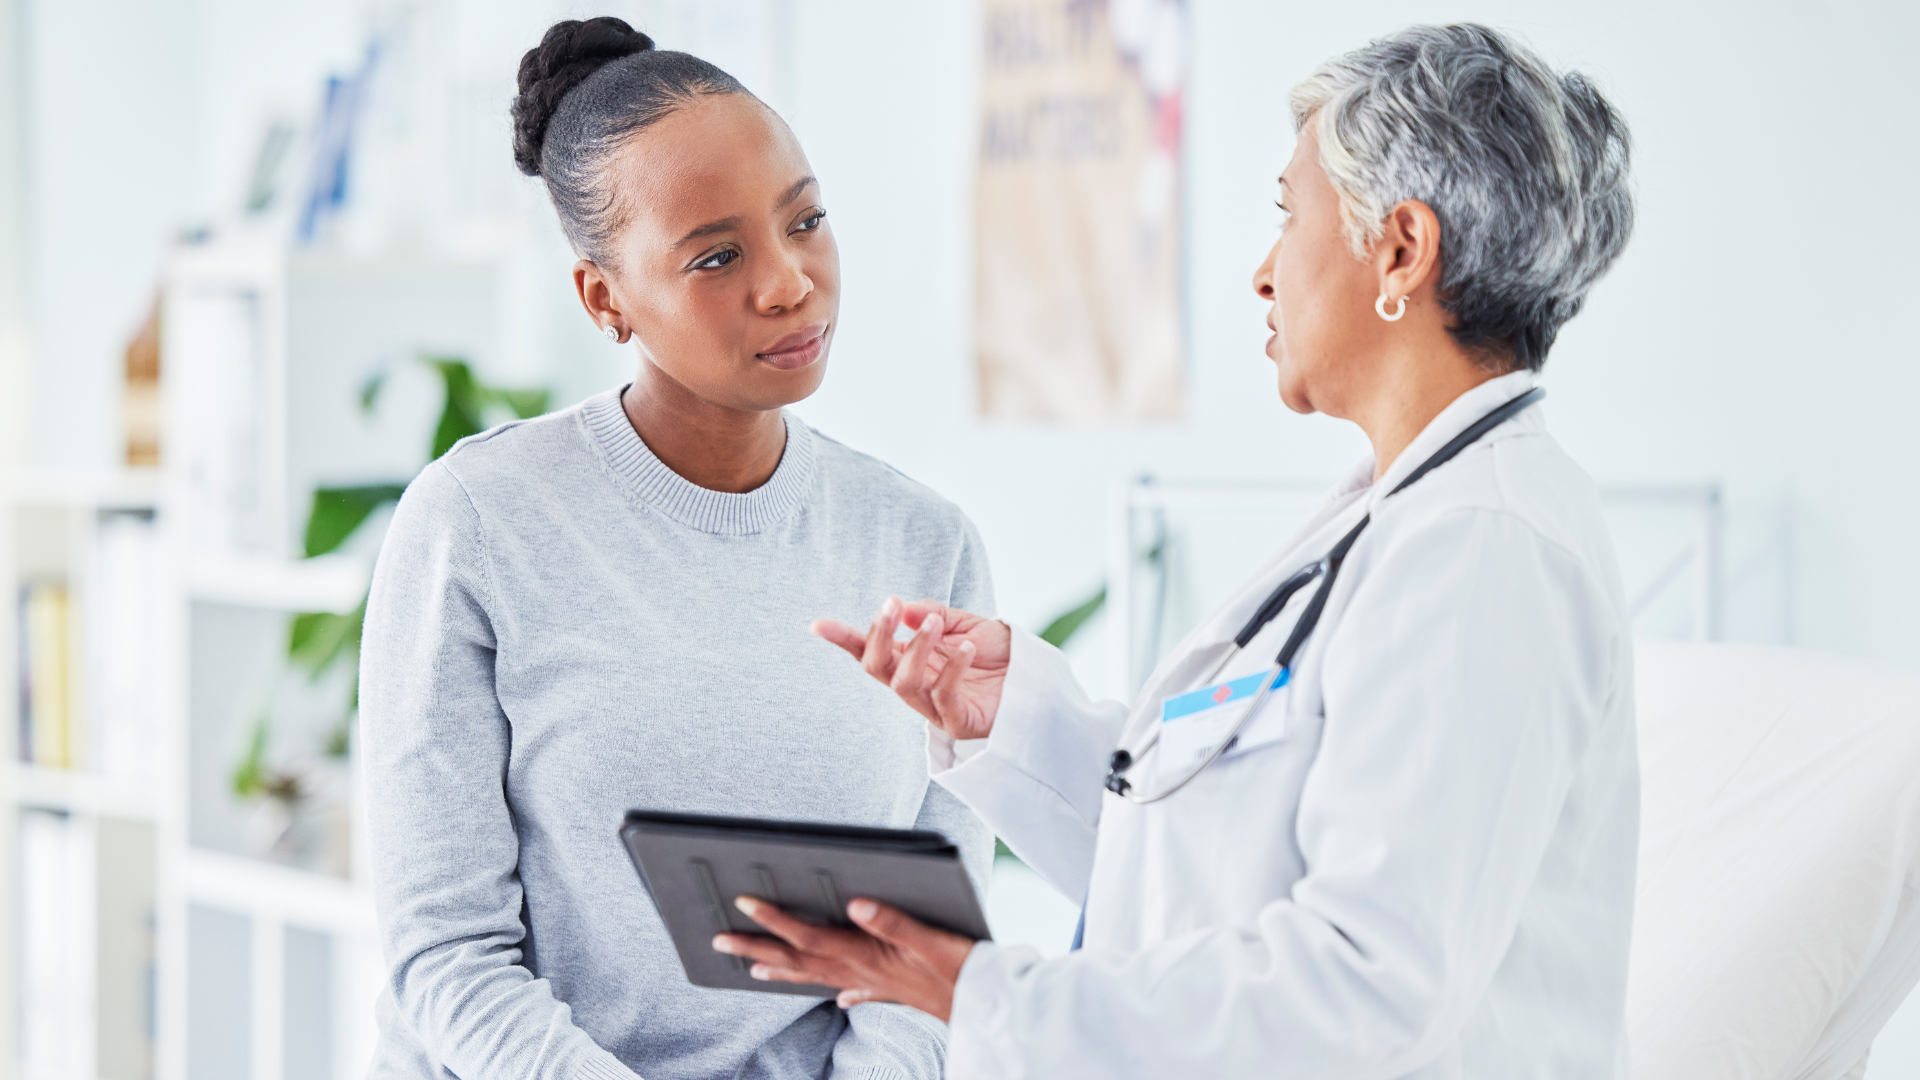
760	971
862	910
747	904
933	624
891	606
721	944
966	646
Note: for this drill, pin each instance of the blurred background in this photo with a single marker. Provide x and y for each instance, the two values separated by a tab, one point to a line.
261	259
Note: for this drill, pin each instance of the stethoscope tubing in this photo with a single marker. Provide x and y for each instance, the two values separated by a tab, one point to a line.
1326	570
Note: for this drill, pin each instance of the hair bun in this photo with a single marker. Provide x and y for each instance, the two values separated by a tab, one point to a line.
570	51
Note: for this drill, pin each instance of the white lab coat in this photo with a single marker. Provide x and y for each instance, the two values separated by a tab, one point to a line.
1429	875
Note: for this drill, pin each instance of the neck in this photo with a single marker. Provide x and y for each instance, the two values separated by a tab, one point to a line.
715	447
1418	388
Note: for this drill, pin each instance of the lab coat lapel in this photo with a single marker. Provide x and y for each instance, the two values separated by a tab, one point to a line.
1205	645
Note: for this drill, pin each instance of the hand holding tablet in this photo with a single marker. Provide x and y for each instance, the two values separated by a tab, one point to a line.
890	957
857	913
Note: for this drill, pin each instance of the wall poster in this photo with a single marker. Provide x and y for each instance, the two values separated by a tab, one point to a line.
1078	247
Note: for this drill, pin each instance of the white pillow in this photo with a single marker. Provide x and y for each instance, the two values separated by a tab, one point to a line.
1777	924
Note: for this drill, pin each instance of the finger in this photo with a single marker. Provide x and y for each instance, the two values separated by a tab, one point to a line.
949	704
910	677
915	612
776	973
804	936
879	655
849	998
839	633
756	947
890	925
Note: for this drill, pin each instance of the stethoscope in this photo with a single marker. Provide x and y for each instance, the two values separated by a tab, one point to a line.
1326	570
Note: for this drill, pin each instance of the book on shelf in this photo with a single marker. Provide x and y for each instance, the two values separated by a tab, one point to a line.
56	903
98	709
46	698
214	342
123	631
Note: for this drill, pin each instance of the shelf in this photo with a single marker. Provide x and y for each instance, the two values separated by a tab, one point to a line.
125	489
325	583
78	792
269	890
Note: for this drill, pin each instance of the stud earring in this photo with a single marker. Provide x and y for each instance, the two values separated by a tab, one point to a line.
612	333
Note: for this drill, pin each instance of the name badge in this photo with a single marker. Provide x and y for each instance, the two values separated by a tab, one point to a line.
1192	724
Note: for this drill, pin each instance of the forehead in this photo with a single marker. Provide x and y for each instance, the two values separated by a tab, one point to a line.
1303	175
715	157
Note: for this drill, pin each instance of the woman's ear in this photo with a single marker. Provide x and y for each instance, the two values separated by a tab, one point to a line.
596	295
1407	254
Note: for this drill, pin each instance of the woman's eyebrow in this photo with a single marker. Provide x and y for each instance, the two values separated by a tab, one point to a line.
726	224
793	192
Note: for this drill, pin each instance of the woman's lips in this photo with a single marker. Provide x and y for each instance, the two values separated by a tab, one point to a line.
798	349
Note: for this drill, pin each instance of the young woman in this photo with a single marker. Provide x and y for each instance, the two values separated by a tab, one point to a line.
606	608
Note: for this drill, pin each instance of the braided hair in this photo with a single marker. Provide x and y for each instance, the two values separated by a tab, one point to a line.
583	90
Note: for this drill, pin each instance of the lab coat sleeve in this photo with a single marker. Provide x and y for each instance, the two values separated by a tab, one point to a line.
445	856
1038	776
1463	683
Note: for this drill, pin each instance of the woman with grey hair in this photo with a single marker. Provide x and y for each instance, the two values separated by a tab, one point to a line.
1377	816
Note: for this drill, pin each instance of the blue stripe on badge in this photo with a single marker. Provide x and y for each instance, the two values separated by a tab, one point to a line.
1208	697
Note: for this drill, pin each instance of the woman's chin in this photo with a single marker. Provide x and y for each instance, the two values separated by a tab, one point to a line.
1293	391
779	388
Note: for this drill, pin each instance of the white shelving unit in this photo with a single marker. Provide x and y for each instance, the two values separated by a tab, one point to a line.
203	957
90	1018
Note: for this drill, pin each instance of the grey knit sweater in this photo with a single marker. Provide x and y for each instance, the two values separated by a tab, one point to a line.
562	629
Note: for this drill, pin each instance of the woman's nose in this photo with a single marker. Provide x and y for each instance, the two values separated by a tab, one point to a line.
787	286
1263	276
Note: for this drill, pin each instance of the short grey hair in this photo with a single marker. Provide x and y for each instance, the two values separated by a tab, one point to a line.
1525	168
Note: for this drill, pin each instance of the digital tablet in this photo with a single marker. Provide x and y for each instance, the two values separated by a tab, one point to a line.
694	865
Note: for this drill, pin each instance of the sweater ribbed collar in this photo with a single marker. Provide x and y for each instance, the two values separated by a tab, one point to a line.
722	513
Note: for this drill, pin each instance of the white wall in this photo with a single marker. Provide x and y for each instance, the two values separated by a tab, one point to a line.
1754	331
109	178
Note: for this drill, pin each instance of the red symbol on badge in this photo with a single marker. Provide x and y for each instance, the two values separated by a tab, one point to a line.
1222	694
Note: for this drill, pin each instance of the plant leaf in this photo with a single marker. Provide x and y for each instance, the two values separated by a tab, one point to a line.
318	638
460	417
526	404
1064	627
337	512
249	775
370	389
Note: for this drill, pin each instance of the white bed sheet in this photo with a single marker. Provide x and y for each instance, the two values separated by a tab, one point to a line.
1778	917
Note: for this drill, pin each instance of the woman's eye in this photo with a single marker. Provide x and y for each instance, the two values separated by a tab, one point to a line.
811	221
1286	215
717	260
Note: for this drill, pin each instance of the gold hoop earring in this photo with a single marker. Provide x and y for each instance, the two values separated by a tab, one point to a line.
1380	308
